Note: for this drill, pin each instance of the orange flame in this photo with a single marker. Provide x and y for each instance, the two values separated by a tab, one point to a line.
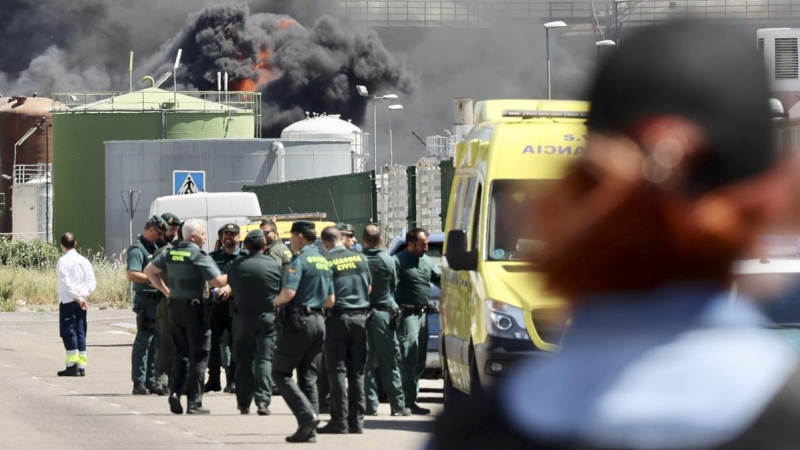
263	73
286	23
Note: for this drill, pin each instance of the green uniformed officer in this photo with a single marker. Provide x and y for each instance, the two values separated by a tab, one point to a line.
145	304
187	269
381	334
348	235
165	352
275	247
220	321
346	335
415	272
255	279
307	288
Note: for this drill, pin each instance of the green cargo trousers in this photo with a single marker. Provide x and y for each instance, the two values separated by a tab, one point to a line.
192	340
413	339
254	344
143	352
165	352
383	349
346	360
300	349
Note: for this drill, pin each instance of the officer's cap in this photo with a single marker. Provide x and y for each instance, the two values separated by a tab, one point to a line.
171	219
253	235
159	223
346	228
301	226
229	228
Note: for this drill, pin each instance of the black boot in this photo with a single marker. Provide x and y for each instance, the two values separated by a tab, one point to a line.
230	382
212	385
175	404
305	431
139	389
81	372
71	371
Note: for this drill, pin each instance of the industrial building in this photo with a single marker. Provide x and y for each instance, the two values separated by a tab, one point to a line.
144	170
25	158
88	120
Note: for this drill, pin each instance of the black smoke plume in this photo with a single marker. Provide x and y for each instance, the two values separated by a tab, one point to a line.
297	69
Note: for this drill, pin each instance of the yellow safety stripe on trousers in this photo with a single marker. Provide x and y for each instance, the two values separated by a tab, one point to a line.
82	360
72	357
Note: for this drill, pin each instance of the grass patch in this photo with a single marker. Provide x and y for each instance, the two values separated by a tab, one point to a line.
34	284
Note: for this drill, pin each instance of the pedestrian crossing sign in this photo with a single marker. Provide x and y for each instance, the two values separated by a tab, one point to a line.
188	181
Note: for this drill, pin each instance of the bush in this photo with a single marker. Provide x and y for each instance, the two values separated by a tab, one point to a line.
28	254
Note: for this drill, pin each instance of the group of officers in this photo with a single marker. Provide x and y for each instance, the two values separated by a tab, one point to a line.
325	311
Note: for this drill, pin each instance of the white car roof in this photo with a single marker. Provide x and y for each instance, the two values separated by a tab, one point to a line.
772	265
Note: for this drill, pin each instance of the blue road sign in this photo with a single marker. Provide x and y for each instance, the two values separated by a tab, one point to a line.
188	181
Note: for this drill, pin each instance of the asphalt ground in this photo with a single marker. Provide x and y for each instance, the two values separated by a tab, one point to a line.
39	410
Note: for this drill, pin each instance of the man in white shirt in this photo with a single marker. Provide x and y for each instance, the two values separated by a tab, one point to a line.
76	283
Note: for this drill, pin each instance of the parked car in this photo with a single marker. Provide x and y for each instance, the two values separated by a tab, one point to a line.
433	368
774	282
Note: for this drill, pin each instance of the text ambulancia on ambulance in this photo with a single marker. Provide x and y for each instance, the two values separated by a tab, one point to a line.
494	310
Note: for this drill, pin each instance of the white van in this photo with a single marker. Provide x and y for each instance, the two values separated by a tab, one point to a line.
216	208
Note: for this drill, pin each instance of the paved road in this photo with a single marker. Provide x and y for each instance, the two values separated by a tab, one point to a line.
40	410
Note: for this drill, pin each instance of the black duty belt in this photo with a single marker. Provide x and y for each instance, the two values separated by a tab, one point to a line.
306	311
350	311
385	309
415	310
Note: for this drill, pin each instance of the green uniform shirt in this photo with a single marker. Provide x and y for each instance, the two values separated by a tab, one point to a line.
223	259
351	278
187	270
415	274
384	278
139	256
256	281
281	253
309	274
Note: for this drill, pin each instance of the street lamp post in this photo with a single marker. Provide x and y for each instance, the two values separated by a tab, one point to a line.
547	26
603	43
391	150
362	91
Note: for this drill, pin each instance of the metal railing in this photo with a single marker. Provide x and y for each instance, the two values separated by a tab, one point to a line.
144	101
24	173
440	147
599	13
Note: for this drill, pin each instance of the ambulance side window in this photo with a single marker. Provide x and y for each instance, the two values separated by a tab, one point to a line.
476	217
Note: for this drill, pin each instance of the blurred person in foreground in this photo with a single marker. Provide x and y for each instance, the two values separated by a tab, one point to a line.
678	178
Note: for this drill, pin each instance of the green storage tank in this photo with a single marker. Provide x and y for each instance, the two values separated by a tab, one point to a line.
80	133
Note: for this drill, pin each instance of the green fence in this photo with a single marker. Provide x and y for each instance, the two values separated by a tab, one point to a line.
344	198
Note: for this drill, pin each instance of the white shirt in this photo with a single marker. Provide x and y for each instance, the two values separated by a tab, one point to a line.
75	277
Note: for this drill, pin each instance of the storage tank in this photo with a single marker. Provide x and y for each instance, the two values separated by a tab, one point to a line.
33	205
92	119
20	115
328	128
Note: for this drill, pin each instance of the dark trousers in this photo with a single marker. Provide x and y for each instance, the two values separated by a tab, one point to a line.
220	321
254	341
72	326
383	350
346	360
300	349
143	352
164	351
413	339
191	338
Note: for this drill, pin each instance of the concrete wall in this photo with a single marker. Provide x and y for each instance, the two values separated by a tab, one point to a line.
229	164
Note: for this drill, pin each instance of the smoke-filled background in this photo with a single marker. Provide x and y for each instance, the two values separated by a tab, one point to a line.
291	50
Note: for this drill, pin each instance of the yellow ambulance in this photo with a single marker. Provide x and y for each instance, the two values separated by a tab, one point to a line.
493	308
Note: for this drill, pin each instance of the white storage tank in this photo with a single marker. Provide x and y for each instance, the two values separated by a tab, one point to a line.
31	216
331	128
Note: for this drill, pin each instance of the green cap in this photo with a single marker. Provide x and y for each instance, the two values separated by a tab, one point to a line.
229	228
254	234
303	225
346	228
171	219
159	222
